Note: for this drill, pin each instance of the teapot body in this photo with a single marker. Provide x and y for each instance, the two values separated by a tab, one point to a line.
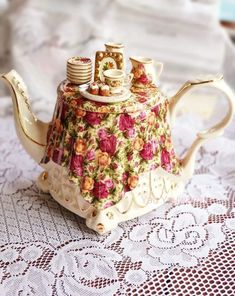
114	159
110	163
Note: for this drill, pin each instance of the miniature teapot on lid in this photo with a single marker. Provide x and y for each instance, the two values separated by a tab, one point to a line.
111	162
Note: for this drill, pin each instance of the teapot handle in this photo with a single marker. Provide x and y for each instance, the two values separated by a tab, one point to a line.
188	162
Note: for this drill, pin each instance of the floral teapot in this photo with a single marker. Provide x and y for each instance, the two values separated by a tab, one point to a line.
108	162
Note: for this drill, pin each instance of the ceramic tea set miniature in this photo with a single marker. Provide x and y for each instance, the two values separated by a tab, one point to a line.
107	153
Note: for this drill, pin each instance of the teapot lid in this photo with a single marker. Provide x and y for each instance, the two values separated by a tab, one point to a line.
140	99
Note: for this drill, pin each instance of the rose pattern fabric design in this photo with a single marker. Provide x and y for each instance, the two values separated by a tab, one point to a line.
100	145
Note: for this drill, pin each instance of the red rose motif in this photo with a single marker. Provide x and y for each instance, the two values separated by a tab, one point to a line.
126	122
90	155
76	164
147	151
125	176
156	109
165	158
63	112
109	145
143	79
93	118
100	190
142	99
57	155
114	166
162	139
129	156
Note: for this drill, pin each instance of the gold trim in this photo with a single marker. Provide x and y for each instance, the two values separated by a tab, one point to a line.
138	60
114	45
18	113
204	81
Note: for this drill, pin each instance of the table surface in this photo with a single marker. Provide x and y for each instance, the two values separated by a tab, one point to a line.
186	248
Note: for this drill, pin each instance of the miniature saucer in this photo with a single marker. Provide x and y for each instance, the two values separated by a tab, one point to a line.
123	96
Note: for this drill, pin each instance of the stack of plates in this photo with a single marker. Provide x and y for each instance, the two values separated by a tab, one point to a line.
79	70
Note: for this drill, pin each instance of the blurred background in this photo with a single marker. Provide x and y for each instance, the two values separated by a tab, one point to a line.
191	38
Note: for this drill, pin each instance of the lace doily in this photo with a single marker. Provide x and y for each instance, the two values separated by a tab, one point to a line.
180	249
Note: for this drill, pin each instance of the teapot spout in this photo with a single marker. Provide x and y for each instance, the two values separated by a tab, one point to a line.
31	131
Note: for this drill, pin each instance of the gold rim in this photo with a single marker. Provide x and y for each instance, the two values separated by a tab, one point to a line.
141	60
72	61
79	77
114	45
79	72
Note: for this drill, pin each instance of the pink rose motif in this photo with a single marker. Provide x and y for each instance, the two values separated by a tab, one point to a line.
142	115
109	145
126	122
90	155
147	151
124	176
153	166
76	164
130	133
155	145
93	118
172	152
109	184
165	158
102	133
108	204
100	190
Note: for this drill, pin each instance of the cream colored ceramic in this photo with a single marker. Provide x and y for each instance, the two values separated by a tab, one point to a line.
145	70
79	70
116	79
79	62
116	47
153	187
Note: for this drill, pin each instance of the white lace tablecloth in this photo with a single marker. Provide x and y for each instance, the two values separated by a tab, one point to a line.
179	249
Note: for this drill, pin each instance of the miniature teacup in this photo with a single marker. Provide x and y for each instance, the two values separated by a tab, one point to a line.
117	79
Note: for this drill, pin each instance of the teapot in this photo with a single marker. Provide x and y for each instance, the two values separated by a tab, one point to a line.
109	163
